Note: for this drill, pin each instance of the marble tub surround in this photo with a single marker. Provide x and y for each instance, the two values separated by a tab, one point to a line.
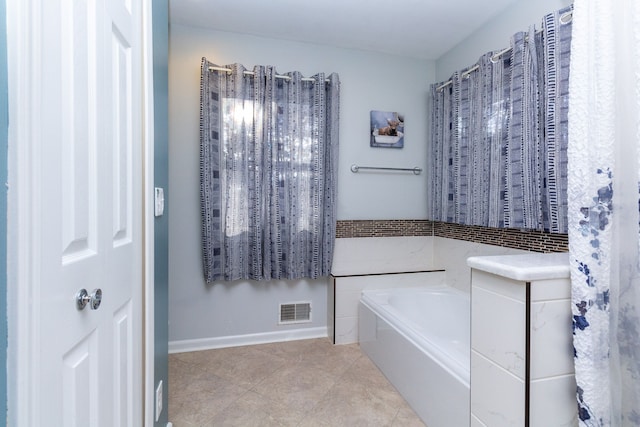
521	341
296	383
451	256
378	255
527	267
365	263
344	295
362	263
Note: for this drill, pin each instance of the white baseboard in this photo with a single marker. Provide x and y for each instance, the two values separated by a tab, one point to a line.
249	339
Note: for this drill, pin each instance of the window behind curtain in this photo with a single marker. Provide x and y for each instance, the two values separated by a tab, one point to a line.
268	164
499	135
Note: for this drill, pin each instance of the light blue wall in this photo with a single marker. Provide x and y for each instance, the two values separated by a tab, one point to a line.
4	122
495	34
369	81
161	179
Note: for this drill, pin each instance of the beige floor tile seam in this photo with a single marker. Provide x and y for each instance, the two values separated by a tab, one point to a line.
255	388
309	414
251	389
270	398
395	417
196	364
291	357
297	359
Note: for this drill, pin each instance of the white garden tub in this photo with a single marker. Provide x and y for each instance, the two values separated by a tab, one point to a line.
419	338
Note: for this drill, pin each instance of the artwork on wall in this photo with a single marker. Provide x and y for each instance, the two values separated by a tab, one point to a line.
387	129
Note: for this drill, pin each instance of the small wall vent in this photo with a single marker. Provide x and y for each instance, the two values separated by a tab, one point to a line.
295	312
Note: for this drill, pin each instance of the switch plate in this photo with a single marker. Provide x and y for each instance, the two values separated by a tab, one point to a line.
159	201
158	400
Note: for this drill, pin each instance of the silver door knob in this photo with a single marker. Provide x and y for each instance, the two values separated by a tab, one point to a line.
83	298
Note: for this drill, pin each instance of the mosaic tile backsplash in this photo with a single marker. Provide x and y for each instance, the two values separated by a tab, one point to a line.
536	241
384	228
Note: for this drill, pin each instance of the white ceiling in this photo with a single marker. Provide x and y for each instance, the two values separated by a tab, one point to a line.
415	28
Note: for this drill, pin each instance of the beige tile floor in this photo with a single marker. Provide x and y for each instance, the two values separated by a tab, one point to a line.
298	383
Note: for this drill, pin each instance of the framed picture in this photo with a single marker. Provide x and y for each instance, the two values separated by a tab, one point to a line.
387	129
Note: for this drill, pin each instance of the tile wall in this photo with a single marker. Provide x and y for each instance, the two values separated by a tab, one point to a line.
366	247
384	228
536	241
373	263
521	352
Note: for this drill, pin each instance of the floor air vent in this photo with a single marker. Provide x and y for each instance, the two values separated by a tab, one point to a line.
296	312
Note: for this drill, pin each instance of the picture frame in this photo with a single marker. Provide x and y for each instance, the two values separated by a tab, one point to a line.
387	129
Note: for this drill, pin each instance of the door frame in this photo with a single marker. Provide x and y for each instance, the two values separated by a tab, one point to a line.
148	260
23	35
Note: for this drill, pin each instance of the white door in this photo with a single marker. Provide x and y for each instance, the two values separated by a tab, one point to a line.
83	213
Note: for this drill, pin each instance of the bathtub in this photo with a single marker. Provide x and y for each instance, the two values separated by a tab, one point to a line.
419	338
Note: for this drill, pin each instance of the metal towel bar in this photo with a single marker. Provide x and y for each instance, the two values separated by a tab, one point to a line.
416	170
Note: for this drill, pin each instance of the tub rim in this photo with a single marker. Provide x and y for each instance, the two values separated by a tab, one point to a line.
447	361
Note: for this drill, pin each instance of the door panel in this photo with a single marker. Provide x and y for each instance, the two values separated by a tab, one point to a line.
78	103
122	127
77	393
123	368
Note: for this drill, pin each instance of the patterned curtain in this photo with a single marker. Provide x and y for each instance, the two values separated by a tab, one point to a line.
604	230
268	167
499	135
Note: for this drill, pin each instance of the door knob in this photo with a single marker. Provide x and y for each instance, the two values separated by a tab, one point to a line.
83	298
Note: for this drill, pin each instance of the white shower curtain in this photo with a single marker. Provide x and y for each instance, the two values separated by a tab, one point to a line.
604	231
